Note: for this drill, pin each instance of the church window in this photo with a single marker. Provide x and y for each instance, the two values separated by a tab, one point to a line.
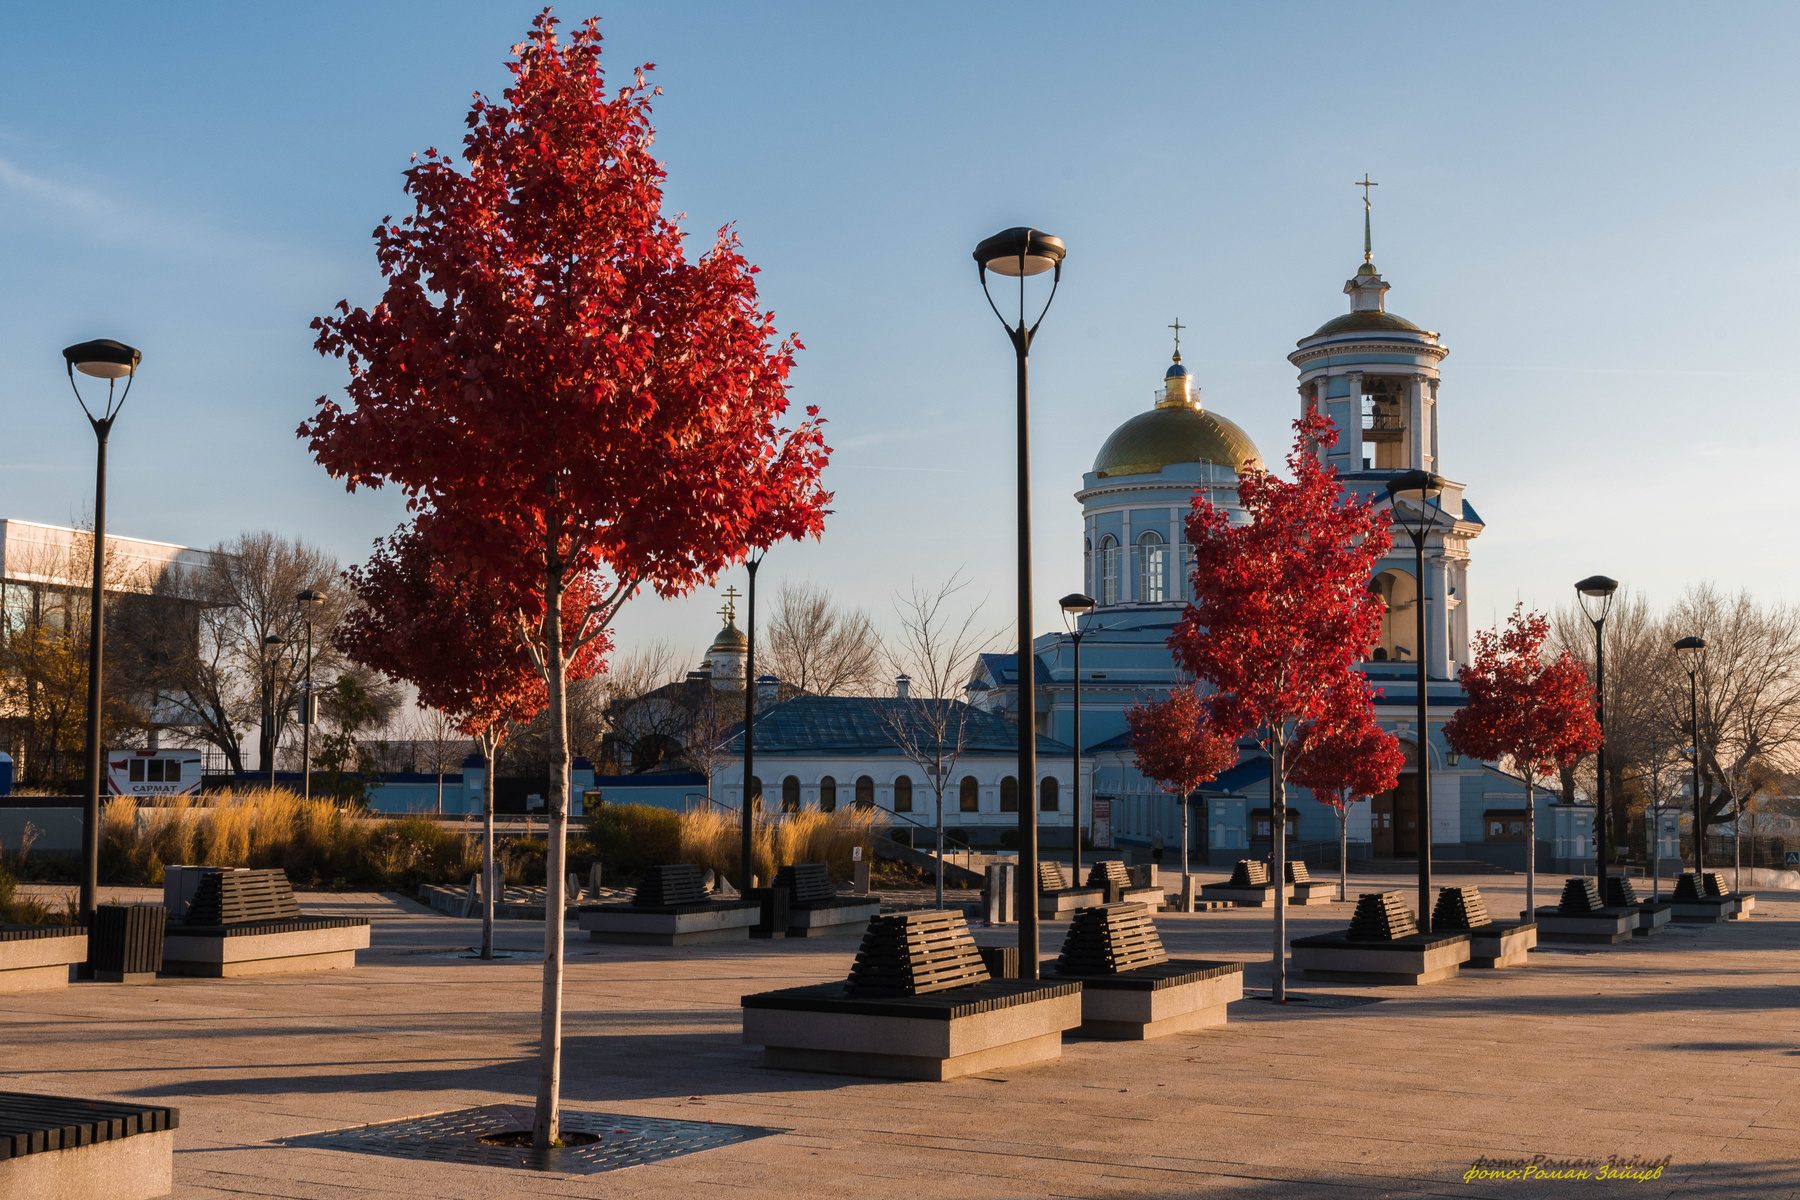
1399	622
790	794
1048	798
903	793
1009	794
1109	570
1151	561
970	797
865	792
827	795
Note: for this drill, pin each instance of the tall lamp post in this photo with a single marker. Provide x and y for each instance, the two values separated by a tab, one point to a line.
1691	652
1017	253
749	812
310	602
1423	492
111	361
1596	592
1076	606
272	645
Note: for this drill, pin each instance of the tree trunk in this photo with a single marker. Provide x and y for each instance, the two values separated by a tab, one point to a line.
546	1128
1530	913
1278	869
490	747
1344	852
1185	890
440	789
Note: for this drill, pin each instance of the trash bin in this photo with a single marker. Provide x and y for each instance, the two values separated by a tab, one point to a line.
125	942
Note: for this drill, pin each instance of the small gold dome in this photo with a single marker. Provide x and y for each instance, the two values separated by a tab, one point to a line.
1174	433
730	638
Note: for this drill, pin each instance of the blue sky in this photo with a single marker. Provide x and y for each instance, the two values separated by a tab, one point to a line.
1593	204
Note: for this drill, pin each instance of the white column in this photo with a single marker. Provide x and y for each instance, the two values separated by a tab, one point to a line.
1431	392
1436	628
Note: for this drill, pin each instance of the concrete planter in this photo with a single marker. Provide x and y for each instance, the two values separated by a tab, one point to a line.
836	918
670	925
35	957
1418	958
939	1036
1314	891
1710	910
1653	915
274	948
1061	905
1501	944
61	1148
1156	1001
1606	926
1254	896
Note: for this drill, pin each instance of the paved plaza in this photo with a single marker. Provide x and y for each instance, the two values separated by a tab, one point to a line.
1685	1045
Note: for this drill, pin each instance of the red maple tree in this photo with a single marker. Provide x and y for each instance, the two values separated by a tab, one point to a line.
1282	614
1524	705
1344	758
453	635
1177	746
565	391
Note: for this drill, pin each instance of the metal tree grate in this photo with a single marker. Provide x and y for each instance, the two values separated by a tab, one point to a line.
455	1137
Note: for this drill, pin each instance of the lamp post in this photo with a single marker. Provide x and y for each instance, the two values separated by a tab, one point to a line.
1691	653
111	361
272	645
1076	606
749	814
1017	253
1596	592
1419	489
310	602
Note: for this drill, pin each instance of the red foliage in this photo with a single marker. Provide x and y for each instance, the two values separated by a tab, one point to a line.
1347	755
1540	713
1282	611
1175	742
452	635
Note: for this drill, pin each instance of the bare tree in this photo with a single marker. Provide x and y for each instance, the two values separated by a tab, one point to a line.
438	746
819	647
928	719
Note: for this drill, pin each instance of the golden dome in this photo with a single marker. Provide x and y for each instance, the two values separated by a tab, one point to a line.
1174	433
730	638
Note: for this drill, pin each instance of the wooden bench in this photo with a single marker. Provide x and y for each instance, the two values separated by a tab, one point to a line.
1382	945
57	1146
1582	916
919	1003
1113	878
1306	889
1491	943
1652	914
1702	900
1057	899
242	922
1130	987
35	957
1248	887
670	907
814	907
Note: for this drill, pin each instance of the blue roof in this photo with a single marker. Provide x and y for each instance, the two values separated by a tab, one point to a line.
1235	779
841	725
1004	669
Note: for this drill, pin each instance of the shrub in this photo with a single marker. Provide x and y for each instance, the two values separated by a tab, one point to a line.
626	838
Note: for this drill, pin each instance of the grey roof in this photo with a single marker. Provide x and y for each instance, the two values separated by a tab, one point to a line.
846	725
1005	669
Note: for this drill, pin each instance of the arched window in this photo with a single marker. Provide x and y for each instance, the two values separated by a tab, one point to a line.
1399	623
865	792
1152	559
903	793
827	795
1009	794
1109	570
970	799
790	794
1047	795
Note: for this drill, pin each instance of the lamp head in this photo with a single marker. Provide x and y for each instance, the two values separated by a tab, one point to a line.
1689	649
310	599
273	642
1020	251
1597	586
1076	604
1418	487
102	358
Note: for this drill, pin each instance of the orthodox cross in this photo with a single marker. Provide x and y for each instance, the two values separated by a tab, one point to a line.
1177	327
1365	183
729	612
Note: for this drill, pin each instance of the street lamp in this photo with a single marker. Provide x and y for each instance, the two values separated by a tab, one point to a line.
272	645
1017	253
310	602
1074	607
111	361
1596	592
1690	652
748	814
1420	489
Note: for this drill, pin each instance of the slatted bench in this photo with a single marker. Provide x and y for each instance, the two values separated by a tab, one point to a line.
1130	988
671	907
1113	878
919	1003
1057	898
1702	900
816	910
1307	890
1382	945
1582	916
1652	914
1491	943
34	957
62	1146
235	922
1248	887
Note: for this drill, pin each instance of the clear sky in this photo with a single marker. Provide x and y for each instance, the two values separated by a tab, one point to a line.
1594	204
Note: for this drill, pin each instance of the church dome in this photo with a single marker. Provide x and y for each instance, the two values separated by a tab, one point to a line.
1171	434
1366	321
730	638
